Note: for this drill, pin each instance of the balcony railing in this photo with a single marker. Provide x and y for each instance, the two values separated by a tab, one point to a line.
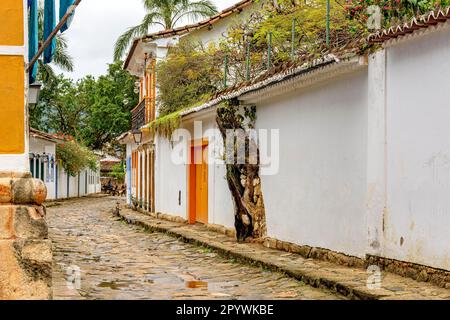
138	116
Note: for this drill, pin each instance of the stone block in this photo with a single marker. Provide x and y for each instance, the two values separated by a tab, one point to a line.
24	273
28	191
5	190
22	222
7	222
29	223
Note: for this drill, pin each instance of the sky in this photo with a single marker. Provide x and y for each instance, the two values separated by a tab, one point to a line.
97	25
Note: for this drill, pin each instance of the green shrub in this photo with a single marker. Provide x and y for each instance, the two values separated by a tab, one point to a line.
75	157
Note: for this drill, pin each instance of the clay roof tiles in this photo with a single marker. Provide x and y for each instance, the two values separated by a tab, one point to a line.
424	21
284	71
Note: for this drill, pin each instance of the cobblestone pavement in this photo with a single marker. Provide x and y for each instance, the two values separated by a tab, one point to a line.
118	261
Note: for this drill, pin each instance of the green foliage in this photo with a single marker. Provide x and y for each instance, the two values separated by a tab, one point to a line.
94	111
166	125
118	172
167	14
188	75
58	109
392	12
75	157
110	100
276	17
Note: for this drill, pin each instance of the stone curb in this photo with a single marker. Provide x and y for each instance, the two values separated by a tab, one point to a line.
349	282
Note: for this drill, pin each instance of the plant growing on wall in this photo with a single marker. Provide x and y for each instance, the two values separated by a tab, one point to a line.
190	74
276	18
392	12
75	157
243	176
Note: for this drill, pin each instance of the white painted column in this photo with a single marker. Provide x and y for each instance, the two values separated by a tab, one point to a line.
138	178
147	187
376	153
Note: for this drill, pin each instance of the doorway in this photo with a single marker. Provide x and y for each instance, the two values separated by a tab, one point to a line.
198	182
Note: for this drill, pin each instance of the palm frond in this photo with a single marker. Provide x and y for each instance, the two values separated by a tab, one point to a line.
194	11
45	72
62	58
123	42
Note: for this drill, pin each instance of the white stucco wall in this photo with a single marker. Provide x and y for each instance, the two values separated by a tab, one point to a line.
417	218
40	147
219	29
77	185
62	183
220	203
171	178
318	196
170	181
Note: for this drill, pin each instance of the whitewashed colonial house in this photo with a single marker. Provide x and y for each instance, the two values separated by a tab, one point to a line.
145	174
45	166
364	153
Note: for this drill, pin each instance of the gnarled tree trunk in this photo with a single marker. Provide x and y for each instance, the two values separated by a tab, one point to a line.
243	179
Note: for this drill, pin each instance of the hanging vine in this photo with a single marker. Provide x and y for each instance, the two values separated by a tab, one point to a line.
243	176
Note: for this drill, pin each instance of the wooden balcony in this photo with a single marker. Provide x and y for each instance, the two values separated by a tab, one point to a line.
139	115
143	113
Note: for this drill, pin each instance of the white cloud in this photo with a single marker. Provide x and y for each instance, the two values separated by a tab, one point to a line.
96	27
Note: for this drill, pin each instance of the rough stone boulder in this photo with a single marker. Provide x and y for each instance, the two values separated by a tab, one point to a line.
25	251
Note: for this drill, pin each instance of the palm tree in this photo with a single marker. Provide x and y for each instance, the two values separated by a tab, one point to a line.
61	59
167	14
46	74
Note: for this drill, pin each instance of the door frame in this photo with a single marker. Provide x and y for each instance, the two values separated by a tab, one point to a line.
191	183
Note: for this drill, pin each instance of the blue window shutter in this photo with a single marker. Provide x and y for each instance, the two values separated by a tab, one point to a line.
49	26
33	37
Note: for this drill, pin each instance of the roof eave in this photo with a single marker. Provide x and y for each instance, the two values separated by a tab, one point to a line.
328	67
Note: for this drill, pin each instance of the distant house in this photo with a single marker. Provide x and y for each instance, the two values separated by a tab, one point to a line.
107	163
45	166
143	176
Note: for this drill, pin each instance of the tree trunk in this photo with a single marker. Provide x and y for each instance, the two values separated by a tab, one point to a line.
243	178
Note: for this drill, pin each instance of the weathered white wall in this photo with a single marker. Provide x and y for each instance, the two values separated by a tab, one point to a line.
417	219
171	178
318	196
220	205
77	185
62	183
219	29
376	152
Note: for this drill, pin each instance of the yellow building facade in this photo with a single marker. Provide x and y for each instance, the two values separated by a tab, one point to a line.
13	85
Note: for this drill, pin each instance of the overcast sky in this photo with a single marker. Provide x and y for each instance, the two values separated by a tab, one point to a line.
97	25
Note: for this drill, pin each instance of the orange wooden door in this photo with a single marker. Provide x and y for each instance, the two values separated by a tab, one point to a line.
201	172
199	185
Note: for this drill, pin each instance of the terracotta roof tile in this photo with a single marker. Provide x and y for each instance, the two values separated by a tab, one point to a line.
284	71
350	48
238	7
424	21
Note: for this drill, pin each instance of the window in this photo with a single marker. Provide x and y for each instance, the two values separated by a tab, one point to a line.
37	167
32	166
42	171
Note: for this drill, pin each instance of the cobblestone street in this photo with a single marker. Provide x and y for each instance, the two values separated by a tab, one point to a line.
119	261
